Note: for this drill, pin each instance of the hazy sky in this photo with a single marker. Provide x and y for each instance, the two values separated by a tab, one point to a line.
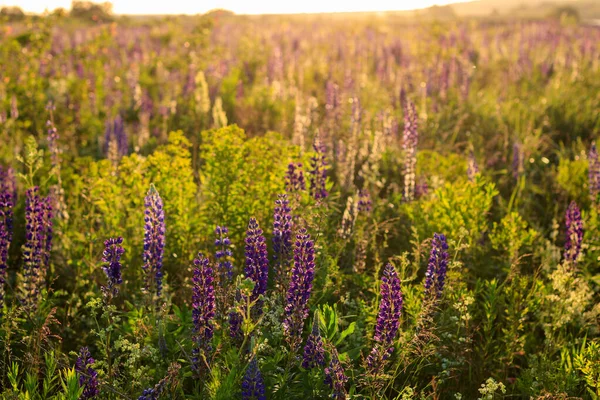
237	6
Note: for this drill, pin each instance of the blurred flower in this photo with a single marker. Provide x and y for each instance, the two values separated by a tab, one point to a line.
154	241
409	146
203	309
294	178
364	201
574	232
318	172
348	218
111	258
14	109
472	167
435	276
116	143
6	218
388	319
335	376
223	254
257	263
88	377
517	161
303	271
314	353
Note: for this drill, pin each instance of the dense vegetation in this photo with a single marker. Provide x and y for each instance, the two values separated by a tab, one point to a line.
223	207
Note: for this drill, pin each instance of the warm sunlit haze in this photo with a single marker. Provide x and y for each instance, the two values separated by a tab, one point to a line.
237	6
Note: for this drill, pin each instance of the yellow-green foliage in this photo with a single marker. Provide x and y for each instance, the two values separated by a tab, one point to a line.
109	202
511	234
572	177
441	168
461	205
241	177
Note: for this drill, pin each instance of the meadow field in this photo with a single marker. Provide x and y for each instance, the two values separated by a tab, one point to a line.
302	207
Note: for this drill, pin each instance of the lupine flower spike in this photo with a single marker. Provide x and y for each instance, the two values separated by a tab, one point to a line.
364	201
203	310
314	352
257	263
409	145
574	233
303	272
294	178
6	219
253	386
223	254
388	319
335	377
437	267
318	172
282	237
88	377
111	259
154	241
36	252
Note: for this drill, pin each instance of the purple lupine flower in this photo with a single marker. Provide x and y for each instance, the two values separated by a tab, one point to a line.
437	267
203	309
294	178
33	250
594	173
364	201
574	233
257	263
223	254
88	377
335	376
47	215
410	141
282	235
158	389
303	272
388	319
472	167
421	188
6	225
235	320
154	241
318	172
314	353
111	259
253	385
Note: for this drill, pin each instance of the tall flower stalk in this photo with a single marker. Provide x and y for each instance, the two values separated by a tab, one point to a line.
318	171
437	267
282	238
388	319
335	376
6	222
574	234
203	311
111	260
257	262
36	251
223	254
303	272
410	141
472	167
154	242
294	178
